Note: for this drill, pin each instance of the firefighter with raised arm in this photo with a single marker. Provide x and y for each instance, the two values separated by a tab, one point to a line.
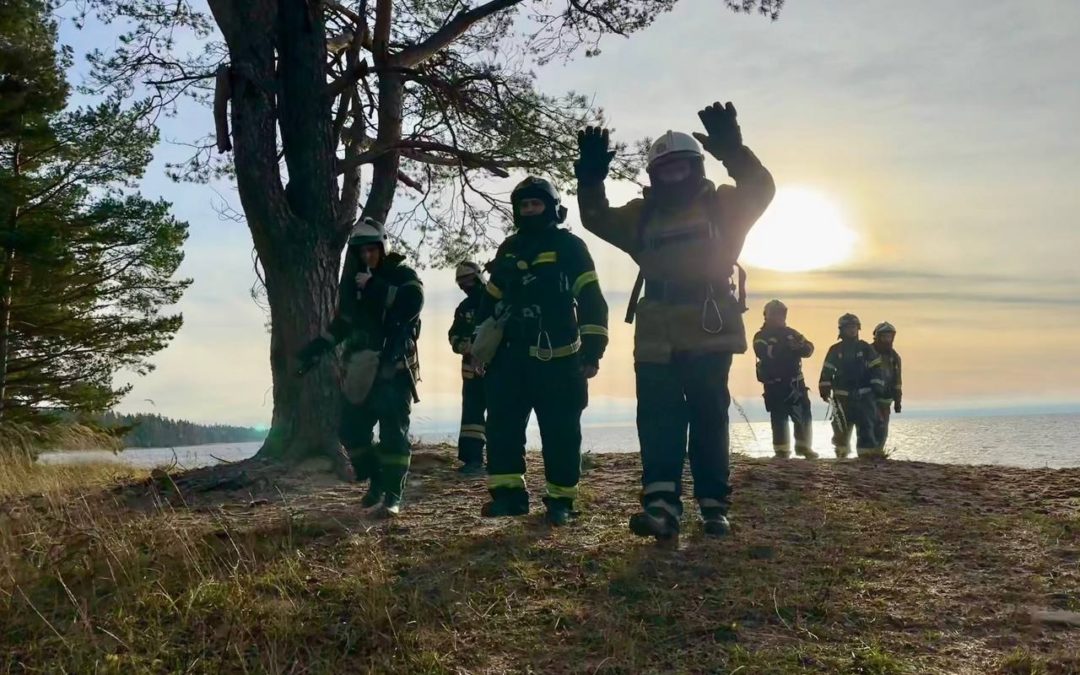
780	350
686	235
851	380
378	319
545	293
473	434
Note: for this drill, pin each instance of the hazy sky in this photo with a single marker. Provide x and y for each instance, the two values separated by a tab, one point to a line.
947	136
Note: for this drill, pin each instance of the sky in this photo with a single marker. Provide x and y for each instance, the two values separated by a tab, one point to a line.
939	144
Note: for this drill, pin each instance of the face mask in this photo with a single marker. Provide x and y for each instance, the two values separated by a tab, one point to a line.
534	222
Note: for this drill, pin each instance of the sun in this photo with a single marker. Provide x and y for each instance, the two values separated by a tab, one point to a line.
801	230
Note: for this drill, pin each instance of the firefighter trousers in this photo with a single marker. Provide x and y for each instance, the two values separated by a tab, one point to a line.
473	434
682	406
518	384
884	414
858	413
389	405
787	402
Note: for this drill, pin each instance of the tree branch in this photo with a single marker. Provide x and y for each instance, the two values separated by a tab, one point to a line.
442	38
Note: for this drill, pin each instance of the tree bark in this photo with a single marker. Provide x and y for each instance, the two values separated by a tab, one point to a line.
300	291
277	52
7	289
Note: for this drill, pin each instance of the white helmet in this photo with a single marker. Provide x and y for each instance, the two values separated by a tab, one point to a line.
884	327
674	144
369	231
468	269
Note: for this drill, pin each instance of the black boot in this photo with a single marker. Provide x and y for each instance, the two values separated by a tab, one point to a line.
506	503
715	524
373	497
469	469
559	511
391	505
655	522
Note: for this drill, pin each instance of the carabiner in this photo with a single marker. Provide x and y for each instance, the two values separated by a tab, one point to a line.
543	336
710	304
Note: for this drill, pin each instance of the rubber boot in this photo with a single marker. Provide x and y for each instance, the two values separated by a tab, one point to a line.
656	523
391	506
715	523
373	497
806	453
871	453
506	504
559	511
781	453
842	453
470	469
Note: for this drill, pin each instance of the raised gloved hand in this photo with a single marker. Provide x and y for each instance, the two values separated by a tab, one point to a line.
311	353
724	137
594	156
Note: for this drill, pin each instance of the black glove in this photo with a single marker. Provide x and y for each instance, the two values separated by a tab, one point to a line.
594	156
896	407
311	353
724	136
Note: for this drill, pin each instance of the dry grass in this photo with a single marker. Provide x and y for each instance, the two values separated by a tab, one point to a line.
834	568
20	441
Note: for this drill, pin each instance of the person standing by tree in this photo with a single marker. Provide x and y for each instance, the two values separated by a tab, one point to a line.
686	235
379	323
543	281
780	351
472	435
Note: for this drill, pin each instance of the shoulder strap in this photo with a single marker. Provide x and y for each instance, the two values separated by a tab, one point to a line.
647	210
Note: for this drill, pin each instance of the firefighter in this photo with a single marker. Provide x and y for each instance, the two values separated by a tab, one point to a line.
685	234
544	285
378	319
780	351
851	379
472	436
884	334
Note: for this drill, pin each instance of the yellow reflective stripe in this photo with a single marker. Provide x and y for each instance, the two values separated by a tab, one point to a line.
557	352
414	282
474	435
761	342
494	291
506	480
473	427
395	460
561	492
876	362
593	329
545	257
584	280
830	366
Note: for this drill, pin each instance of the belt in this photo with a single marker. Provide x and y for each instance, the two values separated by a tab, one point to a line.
675	292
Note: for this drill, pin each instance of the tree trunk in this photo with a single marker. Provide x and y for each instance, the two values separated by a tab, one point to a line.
7	286
300	290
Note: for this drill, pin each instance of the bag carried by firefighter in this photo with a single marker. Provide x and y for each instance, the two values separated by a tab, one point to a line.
489	335
360	371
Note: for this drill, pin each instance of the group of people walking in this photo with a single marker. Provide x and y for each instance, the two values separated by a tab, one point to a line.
861	382
533	328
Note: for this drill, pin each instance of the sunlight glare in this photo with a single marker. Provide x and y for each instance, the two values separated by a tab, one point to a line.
801	230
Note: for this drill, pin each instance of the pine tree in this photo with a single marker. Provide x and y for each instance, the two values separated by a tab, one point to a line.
87	263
